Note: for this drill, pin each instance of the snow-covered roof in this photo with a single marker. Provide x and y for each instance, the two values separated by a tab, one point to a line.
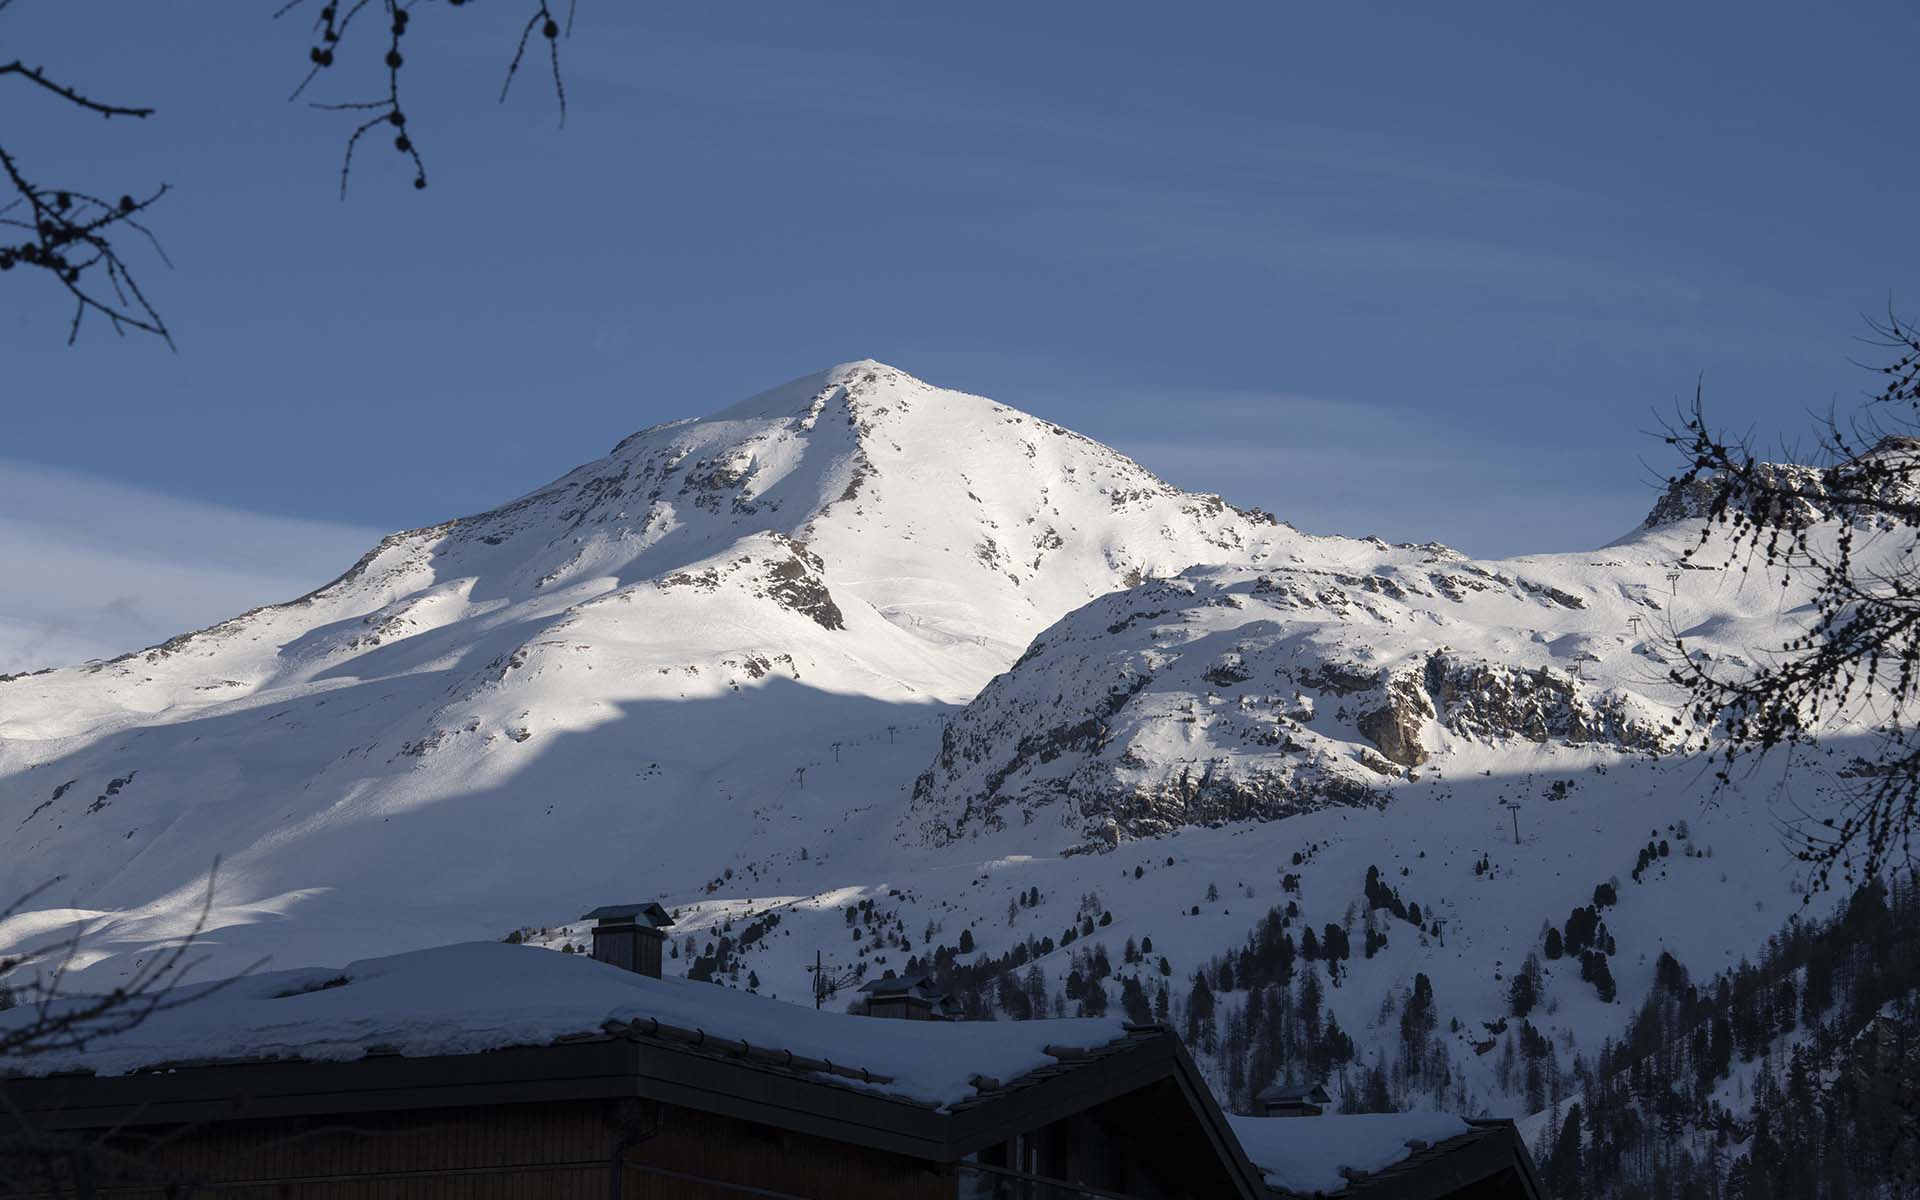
1304	1155
1294	1091
893	985
648	911
480	996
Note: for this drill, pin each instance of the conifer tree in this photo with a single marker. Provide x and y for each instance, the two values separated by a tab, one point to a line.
1565	1177
1520	994
1199	1007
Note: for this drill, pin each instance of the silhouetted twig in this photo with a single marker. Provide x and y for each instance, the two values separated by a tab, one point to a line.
69	234
1857	656
333	26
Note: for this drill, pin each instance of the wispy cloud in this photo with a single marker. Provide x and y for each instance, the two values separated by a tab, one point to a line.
1482	504
90	568
1403	472
1183	146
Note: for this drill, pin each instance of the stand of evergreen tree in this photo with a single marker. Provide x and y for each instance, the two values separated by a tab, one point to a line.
1794	1076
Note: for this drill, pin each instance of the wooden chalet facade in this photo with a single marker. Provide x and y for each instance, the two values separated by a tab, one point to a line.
644	1112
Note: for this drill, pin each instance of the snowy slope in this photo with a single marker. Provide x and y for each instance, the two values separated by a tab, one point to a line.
603	687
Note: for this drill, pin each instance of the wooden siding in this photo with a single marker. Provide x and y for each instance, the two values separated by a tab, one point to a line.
629	947
907	1008
509	1152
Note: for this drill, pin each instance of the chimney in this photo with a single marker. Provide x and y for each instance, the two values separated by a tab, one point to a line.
629	936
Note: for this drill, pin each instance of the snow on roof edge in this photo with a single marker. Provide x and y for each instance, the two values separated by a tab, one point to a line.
479	996
1307	1155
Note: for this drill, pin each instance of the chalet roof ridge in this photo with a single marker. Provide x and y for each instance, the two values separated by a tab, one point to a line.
194	1082
1284	1091
652	1028
1068	1059
892	982
1361	1185
987	1088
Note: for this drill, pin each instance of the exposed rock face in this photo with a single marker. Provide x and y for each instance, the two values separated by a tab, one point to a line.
796	583
1804	494
1107	798
1699	497
1395	726
1494	702
1219	796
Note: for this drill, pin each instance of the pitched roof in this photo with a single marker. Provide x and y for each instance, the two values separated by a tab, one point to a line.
649	1058
648	911
483	996
1386	1156
1066	1059
1309	1092
896	984
486	1023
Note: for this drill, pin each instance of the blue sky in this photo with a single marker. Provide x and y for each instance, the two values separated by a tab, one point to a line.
1418	271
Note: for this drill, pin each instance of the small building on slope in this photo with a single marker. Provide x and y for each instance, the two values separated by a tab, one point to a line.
1292	1100
906	998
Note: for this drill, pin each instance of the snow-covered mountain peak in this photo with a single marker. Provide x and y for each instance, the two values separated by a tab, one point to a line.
795	397
950	514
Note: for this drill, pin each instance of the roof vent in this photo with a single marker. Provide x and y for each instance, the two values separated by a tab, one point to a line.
629	936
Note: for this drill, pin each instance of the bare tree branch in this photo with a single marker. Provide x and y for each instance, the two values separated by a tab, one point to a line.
38	76
334	23
1855	660
61	1021
70	234
40	1163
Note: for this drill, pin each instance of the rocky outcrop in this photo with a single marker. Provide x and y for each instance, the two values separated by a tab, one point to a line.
1797	495
1395	727
796	583
1493	702
1797	491
1105	800
1231	694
